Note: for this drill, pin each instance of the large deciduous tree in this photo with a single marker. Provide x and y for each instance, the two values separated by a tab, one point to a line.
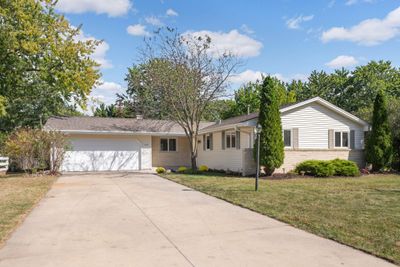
379	143
271	140
140	97
45	68
184	74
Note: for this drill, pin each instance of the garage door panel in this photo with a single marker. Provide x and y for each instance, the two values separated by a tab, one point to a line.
102	154
101	160
103	144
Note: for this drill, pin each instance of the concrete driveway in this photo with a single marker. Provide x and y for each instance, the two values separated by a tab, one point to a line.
144	220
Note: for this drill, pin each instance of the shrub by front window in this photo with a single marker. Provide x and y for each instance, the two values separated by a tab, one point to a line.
325	168
203	168
160	170
182	169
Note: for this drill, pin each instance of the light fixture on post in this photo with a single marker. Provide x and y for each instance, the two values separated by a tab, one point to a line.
257	132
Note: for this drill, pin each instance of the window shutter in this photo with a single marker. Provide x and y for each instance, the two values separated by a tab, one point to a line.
237	140
352	139
295	138
211	141
331	141
204	142
223	140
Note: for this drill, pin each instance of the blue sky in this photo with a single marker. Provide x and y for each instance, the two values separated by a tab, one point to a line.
286	38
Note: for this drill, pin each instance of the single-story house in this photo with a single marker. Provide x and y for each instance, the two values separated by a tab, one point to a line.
312	129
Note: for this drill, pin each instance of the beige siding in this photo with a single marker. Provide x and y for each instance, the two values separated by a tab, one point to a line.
294	157
181	157
228	159
314	121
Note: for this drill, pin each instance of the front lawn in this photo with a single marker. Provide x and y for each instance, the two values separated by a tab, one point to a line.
18	195
361	212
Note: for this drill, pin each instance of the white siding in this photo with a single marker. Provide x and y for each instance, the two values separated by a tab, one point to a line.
228	159
314	121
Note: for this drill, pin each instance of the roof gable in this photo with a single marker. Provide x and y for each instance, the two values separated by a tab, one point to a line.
328	105
241	120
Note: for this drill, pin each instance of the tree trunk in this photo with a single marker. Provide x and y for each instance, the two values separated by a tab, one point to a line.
269	171
194	161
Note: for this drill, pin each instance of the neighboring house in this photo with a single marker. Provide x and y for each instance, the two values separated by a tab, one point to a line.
312	129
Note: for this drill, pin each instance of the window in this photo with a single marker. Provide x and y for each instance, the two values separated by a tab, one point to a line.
168	144
345	139
164	145
230	139
287	138
172	144
208	141
341	139
338	139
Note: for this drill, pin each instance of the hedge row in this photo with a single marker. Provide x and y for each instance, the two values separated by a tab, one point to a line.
325	168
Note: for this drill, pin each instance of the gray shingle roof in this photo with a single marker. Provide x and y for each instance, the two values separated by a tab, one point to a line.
86	123
114	124
239	119
233	120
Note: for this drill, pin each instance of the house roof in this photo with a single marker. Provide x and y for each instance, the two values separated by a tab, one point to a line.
283	109
87	124
100	125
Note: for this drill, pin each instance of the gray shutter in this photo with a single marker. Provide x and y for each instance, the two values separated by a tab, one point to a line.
331	138
223	140
352	139
237	140
204	142
295	138
211	141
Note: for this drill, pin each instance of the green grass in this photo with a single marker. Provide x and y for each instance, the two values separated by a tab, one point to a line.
361	212
18	195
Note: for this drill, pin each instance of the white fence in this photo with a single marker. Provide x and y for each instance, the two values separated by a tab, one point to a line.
4	161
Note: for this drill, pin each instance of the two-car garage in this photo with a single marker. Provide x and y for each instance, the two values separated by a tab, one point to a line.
119	144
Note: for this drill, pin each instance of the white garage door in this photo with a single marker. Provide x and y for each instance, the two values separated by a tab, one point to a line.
106	154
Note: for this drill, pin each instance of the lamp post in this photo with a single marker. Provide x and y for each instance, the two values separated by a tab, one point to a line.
257	131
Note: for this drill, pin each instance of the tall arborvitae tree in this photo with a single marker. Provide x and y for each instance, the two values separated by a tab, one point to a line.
379	144
271	140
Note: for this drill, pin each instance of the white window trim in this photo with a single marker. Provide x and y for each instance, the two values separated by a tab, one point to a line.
230	134
291	138
341	139
169	151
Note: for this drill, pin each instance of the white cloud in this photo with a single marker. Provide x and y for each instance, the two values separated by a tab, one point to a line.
368	32
171	13
342	61
106	92
110	86
99	54
252	76
154	21
246	29
247	76
353	2
137	30
284	78
111	8
294	23
234	42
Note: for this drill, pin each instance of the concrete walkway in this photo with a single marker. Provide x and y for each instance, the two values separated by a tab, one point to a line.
144	220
